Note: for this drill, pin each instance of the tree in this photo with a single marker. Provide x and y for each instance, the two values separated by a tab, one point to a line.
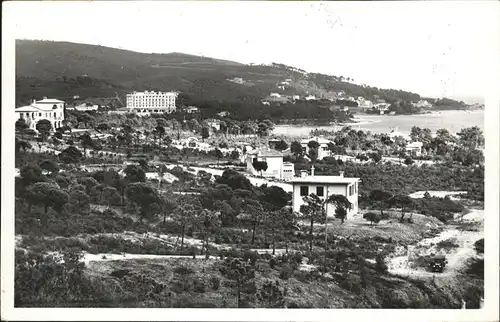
86	119
209	222
134	173
409	161
253	214
44	127
380	198
23	145
313	210
161	170
372	217
274	198
416	133
109	195
218	154
263	129
296	149
275	221
49	166
48	195
341	204
242	273
205	132
169	204
79	201
71	155
185	215
271	295
401	201
235	154
471	138
259	166
145	196
21	125
281	145
31	174
88	183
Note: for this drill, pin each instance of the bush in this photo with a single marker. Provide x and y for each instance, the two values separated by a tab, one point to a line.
215	282
447	244
380	265
253	256
479	246
199	286
272	263
286	272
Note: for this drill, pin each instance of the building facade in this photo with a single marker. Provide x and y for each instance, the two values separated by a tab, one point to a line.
46	109
274	160
414	148
148	102
323	150
324	187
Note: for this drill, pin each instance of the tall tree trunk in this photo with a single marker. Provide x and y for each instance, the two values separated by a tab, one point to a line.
182	236
402	215
311	236
46	208
274	243
239	294
206	246
164	218
254	227
29	207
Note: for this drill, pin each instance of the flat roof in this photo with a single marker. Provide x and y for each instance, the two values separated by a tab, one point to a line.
325	179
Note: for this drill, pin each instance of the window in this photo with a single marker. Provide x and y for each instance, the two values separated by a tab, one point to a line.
350	190
39	114
304	190
320	191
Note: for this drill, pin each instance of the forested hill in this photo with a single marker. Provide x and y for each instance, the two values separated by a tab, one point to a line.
63	69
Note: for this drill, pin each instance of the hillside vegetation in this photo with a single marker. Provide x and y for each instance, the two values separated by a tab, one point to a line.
59	69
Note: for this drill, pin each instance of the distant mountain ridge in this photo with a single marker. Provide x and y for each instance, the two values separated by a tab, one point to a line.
64	69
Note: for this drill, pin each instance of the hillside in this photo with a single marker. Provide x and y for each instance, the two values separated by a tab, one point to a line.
64	69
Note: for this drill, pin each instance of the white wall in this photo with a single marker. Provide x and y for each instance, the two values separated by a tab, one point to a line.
55	116
341	189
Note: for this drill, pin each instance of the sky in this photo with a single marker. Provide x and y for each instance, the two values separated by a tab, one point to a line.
437	49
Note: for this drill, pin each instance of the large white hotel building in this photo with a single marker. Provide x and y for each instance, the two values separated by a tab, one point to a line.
145	103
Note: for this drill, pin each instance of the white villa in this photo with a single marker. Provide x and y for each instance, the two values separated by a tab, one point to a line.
422	103
382	107
275	166
414	148
310	97
323	150
46	109
323	187
191	109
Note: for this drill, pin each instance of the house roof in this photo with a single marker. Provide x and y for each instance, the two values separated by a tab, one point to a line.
49	101
267	153
29	108
414	145
325	179
317	139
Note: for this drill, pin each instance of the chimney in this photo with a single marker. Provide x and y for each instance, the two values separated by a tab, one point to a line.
312	171
341	173
303	173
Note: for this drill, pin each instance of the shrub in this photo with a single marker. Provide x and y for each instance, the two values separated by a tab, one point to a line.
479	246
199	286
380	265
253	256
447	244
272	263
215	282
286	272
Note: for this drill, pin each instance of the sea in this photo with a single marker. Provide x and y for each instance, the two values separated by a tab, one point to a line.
452	120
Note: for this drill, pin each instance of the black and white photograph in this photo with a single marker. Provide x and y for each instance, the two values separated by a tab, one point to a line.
266	155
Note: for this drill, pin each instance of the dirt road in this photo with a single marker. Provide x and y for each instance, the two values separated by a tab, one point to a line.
402	261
